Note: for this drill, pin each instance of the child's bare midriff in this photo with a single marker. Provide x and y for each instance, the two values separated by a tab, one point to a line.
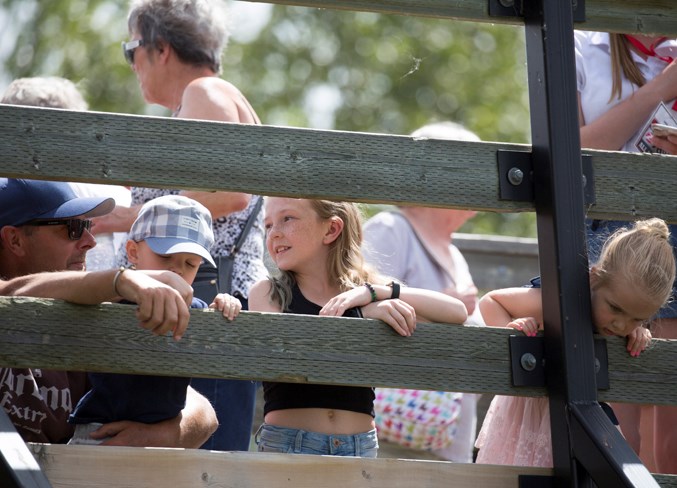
322	420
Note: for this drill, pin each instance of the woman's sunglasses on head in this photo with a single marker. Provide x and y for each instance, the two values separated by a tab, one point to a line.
76	227
128	49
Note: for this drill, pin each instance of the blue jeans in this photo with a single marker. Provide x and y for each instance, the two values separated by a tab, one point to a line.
233	402
270	438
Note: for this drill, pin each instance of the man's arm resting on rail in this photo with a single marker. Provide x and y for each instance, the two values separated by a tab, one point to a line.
190	429
163	297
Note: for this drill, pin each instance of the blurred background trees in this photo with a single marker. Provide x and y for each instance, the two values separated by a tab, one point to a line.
303	67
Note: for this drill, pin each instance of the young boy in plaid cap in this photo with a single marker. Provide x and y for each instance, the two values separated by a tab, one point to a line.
171	233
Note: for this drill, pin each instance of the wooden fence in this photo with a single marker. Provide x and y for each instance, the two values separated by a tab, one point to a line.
161	152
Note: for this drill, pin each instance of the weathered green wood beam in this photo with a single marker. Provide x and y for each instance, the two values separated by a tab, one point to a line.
646	16
295	348
170	153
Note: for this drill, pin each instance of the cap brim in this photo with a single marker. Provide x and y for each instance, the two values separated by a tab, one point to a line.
172	245
86	207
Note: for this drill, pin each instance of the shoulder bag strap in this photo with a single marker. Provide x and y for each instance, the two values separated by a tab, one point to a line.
247	226
226	263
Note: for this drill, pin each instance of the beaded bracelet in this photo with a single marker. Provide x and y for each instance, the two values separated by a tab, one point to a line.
372	292
396	289
117	277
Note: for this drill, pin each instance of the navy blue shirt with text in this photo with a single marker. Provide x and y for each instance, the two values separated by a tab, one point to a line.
139	398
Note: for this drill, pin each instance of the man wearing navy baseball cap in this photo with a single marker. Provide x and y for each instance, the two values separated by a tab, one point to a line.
44	238
48	217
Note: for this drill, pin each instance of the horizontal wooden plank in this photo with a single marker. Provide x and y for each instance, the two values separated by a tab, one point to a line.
285	347
653	372
116	467
170	153
644	16
282	347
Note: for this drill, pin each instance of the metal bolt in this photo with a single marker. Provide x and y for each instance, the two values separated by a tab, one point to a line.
515	176
598	366
528	361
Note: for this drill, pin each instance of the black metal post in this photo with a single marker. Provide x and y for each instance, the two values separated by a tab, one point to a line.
558	192
18	468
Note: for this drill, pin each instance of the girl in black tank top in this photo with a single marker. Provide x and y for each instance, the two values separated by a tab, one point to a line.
316	247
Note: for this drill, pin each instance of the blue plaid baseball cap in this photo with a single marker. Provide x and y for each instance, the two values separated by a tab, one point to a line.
173	224
24	200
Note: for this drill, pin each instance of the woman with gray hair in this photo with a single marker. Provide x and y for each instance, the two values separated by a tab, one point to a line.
175	51
44	91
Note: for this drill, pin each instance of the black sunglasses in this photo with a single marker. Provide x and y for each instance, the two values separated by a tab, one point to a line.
128	49
76	227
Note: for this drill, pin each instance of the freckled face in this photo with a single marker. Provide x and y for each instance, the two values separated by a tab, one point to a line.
184	264
618	307
294	232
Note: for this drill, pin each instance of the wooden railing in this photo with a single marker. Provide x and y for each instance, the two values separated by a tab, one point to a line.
161	152
173	153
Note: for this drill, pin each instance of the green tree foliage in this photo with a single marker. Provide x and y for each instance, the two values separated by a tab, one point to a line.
360	71
394	73
76	39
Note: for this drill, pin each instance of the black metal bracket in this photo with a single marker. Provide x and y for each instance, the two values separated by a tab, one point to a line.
528	363
514	8
526	359
515	176
516	180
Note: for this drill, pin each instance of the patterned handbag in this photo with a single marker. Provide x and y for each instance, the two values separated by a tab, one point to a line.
417	419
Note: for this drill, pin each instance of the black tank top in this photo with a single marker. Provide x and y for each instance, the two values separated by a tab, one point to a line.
282	396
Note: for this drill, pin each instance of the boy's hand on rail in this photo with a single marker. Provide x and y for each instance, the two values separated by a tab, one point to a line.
228	305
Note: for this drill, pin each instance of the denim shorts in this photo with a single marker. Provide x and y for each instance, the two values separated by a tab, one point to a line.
270	438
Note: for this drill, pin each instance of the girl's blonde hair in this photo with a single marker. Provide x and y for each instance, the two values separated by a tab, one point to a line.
622	64
642	255
345	263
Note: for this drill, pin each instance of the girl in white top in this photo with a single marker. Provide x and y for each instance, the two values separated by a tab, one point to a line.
619	87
